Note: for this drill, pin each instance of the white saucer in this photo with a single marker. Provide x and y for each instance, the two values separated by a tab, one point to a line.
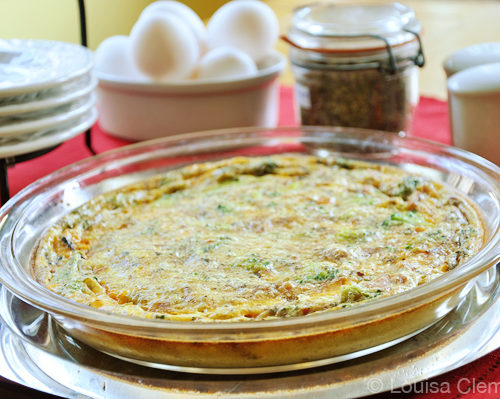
30	65
50	138
41	102
49	119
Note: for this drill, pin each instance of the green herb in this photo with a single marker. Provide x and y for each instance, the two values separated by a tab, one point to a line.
210	247
319	272
264	168
254	263
86	224
410	217
74	286
344	163
328	274
230	179
359	199
407	187
223	208
352	235
350	294
467	232
70	271
436	235
353	293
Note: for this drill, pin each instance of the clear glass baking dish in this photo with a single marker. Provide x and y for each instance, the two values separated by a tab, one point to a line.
256	346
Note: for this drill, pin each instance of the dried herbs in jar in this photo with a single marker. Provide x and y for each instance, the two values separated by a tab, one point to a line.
348	77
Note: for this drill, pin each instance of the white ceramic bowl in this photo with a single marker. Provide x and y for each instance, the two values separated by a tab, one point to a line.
474	101
140	110
467	57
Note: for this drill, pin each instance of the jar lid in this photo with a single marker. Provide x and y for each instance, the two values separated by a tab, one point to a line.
352	27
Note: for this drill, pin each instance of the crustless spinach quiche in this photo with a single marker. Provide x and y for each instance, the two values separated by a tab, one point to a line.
257	238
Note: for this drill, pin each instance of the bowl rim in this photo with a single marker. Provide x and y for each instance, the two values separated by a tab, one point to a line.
37	295
479	80
471	56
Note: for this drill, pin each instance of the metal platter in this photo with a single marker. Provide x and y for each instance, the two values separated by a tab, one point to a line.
36	352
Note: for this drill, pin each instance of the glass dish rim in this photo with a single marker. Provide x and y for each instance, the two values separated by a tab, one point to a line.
58	305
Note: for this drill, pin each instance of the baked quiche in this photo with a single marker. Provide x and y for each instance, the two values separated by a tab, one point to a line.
255	238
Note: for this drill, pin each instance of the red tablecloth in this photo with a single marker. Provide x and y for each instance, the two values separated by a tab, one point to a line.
431	122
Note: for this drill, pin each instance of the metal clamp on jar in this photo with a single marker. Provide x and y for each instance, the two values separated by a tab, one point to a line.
356	65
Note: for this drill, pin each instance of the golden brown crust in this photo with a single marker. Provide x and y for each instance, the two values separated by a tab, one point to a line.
269	352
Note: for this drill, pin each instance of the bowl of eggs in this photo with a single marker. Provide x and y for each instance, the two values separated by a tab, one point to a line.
174	74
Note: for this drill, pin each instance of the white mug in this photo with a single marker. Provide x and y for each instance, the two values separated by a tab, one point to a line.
471	56
474	101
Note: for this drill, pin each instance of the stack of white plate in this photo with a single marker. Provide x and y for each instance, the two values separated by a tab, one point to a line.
47	94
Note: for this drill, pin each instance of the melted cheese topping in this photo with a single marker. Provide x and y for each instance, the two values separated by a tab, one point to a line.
257	238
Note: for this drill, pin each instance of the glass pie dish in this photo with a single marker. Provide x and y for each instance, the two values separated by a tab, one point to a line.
249	346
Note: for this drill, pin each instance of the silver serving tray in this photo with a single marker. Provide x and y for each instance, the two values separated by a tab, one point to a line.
37	353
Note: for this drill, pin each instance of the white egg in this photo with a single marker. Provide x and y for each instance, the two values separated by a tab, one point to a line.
249	25
226	62
163	47
114	57
183	12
